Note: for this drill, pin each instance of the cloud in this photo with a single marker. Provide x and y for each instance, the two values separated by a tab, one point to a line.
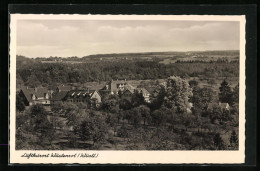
80	38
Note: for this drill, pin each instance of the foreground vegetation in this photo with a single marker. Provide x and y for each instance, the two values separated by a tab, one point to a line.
119	124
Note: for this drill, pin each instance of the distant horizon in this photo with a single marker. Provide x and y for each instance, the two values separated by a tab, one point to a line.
123	53
85	37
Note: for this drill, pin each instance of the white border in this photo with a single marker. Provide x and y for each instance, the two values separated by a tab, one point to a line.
130	157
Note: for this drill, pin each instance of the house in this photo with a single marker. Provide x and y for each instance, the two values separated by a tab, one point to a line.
36	95
84	96
124	89
127	94
115	86
223	106
59	96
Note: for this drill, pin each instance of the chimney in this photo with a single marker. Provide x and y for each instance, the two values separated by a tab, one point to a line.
35	89
125	80
27	87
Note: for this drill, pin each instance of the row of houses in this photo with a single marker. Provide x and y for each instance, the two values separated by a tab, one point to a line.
92	97
63	93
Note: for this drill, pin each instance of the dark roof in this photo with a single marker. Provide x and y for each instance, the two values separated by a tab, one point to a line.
103	93
64	88
59	95
150	89
143	90
129	90
81	93
38	92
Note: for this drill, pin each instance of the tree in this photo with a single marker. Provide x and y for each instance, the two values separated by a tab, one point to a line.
127	115
92	128
57	107
71	114
178	93
39	119
124	104
225	94
218	142
41	124
158	117
234	139
171	117
215	113
111	121
193	83
201	97
49	133
188	120
235	95
137	99
135	117
123	132
19	103
33	81
158	99
111	104
145	113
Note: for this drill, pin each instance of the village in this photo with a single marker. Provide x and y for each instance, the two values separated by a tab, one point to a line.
93	97
115	115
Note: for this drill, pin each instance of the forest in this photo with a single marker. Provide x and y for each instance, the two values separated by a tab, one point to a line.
32	73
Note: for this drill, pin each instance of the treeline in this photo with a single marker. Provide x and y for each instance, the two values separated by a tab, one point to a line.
210	61
36	73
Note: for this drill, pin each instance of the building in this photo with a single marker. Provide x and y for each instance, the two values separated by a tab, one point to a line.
91	97
127	94
115	86
76	96
59	97
125	90
36	95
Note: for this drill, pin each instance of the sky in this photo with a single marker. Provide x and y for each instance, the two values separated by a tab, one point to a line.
66	38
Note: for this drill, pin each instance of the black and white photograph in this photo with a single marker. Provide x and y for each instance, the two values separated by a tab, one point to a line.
127	84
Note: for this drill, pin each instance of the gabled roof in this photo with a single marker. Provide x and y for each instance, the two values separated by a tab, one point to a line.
93	91
150	89
78	93
103	93
128	90
64	88
129	87
143	91
81	93
38	92
59	95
